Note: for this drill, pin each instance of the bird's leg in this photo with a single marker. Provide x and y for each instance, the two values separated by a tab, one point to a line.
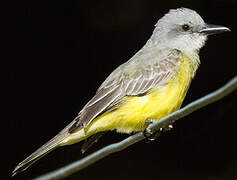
149	134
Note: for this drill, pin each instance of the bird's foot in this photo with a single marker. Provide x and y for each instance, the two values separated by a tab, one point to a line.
151	136
169	127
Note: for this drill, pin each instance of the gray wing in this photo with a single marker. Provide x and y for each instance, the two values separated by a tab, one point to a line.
142	73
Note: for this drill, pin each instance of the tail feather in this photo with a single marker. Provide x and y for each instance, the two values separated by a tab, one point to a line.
42	151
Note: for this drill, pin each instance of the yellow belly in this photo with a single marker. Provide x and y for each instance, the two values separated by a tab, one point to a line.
131	116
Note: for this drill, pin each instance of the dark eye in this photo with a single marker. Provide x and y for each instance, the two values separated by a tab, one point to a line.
186	27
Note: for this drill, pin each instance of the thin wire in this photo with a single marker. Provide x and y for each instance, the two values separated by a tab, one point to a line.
92	158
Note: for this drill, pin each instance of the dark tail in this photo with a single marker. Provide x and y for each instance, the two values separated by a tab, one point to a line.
42	151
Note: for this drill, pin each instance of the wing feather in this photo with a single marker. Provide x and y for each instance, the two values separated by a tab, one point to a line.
97	105
130	79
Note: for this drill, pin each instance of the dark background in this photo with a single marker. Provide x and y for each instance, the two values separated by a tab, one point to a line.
59	52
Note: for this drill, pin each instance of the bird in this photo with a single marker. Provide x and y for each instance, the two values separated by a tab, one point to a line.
150	85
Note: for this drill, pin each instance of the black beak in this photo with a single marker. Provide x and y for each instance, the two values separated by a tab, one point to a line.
213	29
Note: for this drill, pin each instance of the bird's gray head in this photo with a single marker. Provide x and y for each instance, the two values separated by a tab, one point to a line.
183	29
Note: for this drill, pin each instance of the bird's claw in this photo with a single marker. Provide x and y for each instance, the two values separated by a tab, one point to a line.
151	136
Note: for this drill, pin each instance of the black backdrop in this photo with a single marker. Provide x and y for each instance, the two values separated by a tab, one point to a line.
59	53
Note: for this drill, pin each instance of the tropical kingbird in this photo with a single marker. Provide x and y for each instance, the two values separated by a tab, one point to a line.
151	85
